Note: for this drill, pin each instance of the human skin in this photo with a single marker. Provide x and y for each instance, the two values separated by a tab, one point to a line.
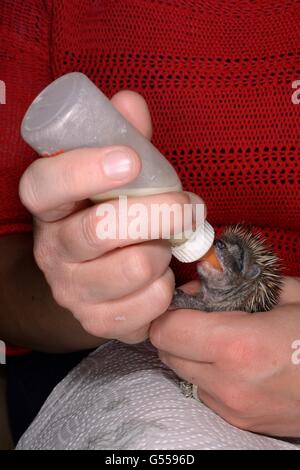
242	363
77	290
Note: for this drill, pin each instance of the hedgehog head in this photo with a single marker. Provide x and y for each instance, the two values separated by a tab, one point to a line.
249	277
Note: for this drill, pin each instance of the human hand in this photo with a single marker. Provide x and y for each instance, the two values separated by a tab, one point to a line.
114	288
246	366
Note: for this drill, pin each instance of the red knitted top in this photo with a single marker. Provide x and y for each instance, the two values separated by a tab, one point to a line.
217	76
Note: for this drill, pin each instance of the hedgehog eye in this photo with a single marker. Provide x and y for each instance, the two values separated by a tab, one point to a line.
253	272
240	260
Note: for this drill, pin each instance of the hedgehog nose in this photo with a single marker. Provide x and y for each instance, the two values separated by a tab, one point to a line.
219	244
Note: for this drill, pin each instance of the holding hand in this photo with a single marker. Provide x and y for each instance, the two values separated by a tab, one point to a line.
114	288
246	366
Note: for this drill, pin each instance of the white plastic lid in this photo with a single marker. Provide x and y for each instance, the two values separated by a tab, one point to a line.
196	246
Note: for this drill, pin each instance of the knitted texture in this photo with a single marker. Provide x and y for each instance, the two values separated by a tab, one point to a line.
218	80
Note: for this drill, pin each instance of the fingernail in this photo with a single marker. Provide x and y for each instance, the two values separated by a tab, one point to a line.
117	165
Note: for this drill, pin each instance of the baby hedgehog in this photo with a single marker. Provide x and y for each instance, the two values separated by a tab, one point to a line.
238	273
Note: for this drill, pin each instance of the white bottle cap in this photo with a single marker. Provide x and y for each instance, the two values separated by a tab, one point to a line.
196	246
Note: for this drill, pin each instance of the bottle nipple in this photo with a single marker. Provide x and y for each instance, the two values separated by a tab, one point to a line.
212	258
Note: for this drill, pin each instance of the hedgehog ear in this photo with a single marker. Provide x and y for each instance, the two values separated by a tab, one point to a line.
253	272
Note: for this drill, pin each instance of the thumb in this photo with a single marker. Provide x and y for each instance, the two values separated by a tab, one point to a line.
135	109
290	291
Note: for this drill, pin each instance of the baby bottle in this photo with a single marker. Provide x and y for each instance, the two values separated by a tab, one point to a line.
72	112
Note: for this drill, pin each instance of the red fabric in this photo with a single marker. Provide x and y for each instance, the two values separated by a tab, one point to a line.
218	79
16	351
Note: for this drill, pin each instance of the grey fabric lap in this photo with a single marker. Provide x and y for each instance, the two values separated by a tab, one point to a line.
123	397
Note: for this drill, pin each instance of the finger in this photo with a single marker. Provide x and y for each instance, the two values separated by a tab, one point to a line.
204	375
91	233
194	335
119	318
56	183
137	336
213	403
191	287
135	109
191	371
291	291
122	272
234	415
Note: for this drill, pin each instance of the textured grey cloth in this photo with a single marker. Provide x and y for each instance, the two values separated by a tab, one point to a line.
122	397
